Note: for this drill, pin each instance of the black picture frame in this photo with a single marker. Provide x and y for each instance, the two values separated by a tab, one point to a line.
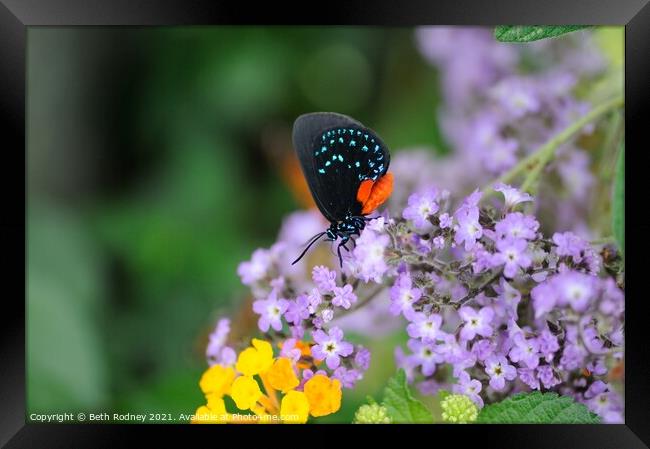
17	15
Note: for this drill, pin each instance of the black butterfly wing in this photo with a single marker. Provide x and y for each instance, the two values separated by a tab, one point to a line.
336	154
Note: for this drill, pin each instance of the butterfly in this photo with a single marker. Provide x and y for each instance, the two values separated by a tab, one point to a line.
346	167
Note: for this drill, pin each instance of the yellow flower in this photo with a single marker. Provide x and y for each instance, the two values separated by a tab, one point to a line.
216	404
294	408
281	376
213	413
217	380
245	392
323	394
255	360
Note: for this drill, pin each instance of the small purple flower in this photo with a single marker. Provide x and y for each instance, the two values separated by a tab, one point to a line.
290	351
217	339
469	387
445	221
573	357
518	96
297	332
369	262
512	253
298	310
405	362
228	356
327	315
609	405
330	347
476	323
348	377
421	245
308	374
597	367
501	154
468	229
516	225
403	295
524	351
512	196
425	327
270	311
547	376
425	356
344	296
438	242
595	389
255	269
508	300
527	376
499	370
482	258
362	358
455	353
548	344
575	289
324	278
591	337
315	299
483	349
569	244
421	206
544	298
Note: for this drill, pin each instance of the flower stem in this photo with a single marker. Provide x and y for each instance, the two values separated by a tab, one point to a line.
475	291
536	161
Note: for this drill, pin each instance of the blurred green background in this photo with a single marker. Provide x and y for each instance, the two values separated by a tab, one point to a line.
158	159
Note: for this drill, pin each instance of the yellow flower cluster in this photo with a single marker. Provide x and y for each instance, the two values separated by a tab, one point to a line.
320	395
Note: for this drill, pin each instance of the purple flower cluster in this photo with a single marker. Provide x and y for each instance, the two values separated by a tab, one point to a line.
281	310
528	313
502	103
217	352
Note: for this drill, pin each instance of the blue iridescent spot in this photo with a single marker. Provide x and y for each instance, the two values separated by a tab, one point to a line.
340	139
364	148
334	157
323	149
376	148
320	170
357	164
340	158
328	163
352	143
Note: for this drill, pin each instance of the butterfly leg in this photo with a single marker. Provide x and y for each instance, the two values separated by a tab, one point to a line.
344	239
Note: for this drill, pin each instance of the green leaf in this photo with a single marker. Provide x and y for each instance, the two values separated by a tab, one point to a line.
537	408
402	407
517	33
618	201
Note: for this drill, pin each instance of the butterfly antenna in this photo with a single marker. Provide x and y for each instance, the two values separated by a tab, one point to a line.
313	240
